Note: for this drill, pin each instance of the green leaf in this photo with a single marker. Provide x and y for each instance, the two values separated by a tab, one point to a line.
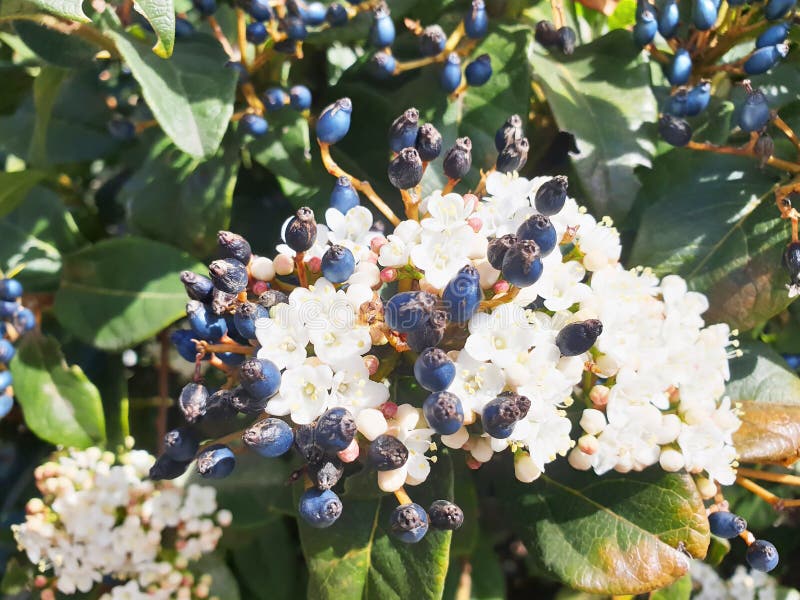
54	47
176	198
36	234
191	95
68	9
712	219
680	590
161	15
358	558
15	186
119	292
769	394
45	92
223	583
17	580
481	571
612	534
59	402
602	95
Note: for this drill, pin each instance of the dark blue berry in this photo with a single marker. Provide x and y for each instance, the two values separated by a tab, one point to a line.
216	461
726	525
10	289
334	122
754	115
792	360
497	248
645	29
551	196
336	428
503	412
274	98
387	453
462	295
243	402
256	33
336	15
167	467
704	14
198	287
774	35
382	33
680	68
181	444
567	40
122	129
763	59
445	515
344	196
458	159
510	132
668	19
451	73
546	34
405	311
677	104
204	323
479	71
476	21
428	333
791	261
319	508
522	263
6	379
259	10
673	130
338	264
228	275
183	340
326	473
7	309
7	351
245	317
183	28
240	69
762	556
6	404
432	41
301	231
434	370
193	401
382	65
403	131
539	229
300	97
698	98
305	437
443	412
260	377
409	523
286	46
232	359
233	245
405	170
295	29
23	320
513	157
205	7
428	142
776	9
269	437
577	338
315	14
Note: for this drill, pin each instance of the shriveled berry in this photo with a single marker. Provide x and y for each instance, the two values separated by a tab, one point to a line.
387	453
216	461
458	159
229	275
406	310
522	264
301	231
319	508
510	132
443	412
434	370
501	414
428	333
269	437
260	378
726	524
181	444
405	169
497	248
445	515
791	261
403	131
245	317
220	405
336	428
428	142
764	147
409	523
192	401
271	298
577	338
198	287
233	245
513	157
326	474
305	441
245	403
567	40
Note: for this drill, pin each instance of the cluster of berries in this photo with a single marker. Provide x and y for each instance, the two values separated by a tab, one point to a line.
562	38
761	554
435	47
15	320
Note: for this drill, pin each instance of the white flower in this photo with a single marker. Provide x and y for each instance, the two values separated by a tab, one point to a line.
418	442
445	212
353	389
476	382
304	393
351	230
283	338
440	254
396	252
500	336
545	432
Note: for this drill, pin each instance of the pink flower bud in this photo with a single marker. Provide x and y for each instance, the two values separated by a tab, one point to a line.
350	453
259	287
501	287
388	274
389	409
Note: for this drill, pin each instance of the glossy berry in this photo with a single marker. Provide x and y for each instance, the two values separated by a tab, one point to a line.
754	115
204	323
776	9
443	412
314	14
479	71
673	130
23	320
326	473
245	317
726	525
497	248
774	35
428	333
260	378
763	59
6	379
256	33
522	263
382	65
387	453
551	196
407	310
301	231
259	10
510	132
792	361
181	444
205	7
432	41
122	129
450	78
546	34
791	261
232	359
567	40
8	308
183	340
336	15
193	401
338	264
539	229
409	523
680	68
7	351
269	437
10	289
167	467
645	29
462	295
216	462
704	14
445	515
233	245
762	556
577	338
668	19
274	99
334	122
300	97
428	142
254	125
344	196
336	428
698	98
434	370
228	275
382	33
405	169
513	157
295	29
458	159
503	412
403	131
476	21
198	287
319	508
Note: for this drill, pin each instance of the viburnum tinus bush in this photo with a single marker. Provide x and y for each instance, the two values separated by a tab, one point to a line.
398	299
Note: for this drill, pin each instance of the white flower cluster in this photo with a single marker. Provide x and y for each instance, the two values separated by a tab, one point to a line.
99	516
744	584
652	385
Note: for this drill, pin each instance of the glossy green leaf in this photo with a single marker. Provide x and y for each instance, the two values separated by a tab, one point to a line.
45	92
54	47
37	234
161	15
119	292
68	9
480	573
15	186
176	198
223	582
712	219
59	402
191	94
358	558
679	590
612	534
769	394
601	94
